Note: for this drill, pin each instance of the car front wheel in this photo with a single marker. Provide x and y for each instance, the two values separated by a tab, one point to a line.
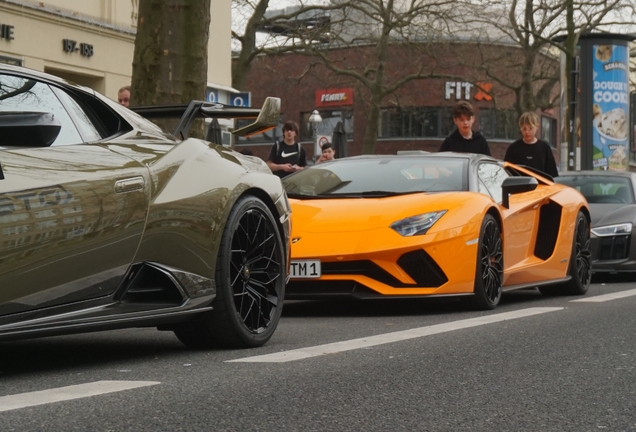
250	279
489	272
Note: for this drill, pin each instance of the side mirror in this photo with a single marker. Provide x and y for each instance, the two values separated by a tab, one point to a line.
515	185
28	129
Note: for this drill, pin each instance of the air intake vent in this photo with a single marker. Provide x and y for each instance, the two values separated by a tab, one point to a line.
148	284
614	248
421	267
549	223
418	264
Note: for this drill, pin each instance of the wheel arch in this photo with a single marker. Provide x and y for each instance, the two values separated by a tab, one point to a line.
495	213
586	213
267	200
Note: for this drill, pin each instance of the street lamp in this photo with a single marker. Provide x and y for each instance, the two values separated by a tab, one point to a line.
314	121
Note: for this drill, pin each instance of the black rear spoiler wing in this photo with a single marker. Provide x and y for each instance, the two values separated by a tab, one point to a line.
266	117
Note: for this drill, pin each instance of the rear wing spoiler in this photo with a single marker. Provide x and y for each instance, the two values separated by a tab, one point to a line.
266	117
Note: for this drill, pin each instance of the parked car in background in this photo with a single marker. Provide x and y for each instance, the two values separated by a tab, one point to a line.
612	202
108	222
437	224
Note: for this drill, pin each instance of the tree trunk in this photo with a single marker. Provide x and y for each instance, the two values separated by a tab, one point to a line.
170	63
373	120
241	67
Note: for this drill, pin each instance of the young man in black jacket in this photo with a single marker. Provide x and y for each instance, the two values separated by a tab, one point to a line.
464	139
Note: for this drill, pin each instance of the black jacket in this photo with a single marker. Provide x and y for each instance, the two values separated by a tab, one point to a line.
455	142
538	155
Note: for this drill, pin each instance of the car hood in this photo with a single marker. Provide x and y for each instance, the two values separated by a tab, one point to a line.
608	214
361	214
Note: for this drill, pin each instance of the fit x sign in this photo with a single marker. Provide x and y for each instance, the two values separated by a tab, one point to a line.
462	90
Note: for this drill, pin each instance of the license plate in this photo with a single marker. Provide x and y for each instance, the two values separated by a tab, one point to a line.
305	269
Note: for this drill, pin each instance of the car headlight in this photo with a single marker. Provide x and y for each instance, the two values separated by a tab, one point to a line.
417	225
613	230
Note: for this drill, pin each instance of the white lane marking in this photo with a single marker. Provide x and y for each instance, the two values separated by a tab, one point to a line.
23	400
337	347
607	297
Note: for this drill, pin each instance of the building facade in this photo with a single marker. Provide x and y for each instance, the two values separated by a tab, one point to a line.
416	116
91	42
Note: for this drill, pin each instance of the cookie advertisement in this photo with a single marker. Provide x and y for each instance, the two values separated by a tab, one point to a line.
610	108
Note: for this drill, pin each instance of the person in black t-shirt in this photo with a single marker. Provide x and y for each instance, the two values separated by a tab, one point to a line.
529	150
464	139
287	156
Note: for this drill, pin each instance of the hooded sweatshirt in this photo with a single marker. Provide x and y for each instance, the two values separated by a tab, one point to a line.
455	142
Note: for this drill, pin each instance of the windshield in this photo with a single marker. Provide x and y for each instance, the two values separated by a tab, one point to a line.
601	189
377	177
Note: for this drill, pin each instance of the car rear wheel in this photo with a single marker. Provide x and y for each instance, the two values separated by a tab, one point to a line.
580	267
489	272
250	279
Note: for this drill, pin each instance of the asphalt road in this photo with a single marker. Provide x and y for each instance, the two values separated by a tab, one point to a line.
535	363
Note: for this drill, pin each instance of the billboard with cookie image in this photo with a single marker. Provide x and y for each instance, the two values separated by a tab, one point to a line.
610	110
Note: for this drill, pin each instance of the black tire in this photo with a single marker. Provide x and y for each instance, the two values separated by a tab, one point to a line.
580	266
489	272
250	279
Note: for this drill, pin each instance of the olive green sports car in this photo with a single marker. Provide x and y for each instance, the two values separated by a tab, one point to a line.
107	222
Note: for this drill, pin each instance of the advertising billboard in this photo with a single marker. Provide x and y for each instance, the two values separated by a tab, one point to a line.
610	109
604	108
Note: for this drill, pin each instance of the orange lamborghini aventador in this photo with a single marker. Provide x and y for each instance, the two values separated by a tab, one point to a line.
437	224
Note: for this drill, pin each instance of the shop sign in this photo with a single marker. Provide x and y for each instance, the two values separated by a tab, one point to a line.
211	95
462	90
6	32
457	89
84	49
241	99
334	97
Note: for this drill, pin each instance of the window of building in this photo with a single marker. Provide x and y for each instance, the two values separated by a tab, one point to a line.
499	124
549	130
415	122
330	119
11	61
446	121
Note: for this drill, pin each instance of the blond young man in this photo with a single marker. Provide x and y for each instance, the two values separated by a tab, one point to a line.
529	150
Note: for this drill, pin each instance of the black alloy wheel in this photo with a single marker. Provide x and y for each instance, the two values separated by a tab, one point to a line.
489	272
250	279
255	266
582	257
